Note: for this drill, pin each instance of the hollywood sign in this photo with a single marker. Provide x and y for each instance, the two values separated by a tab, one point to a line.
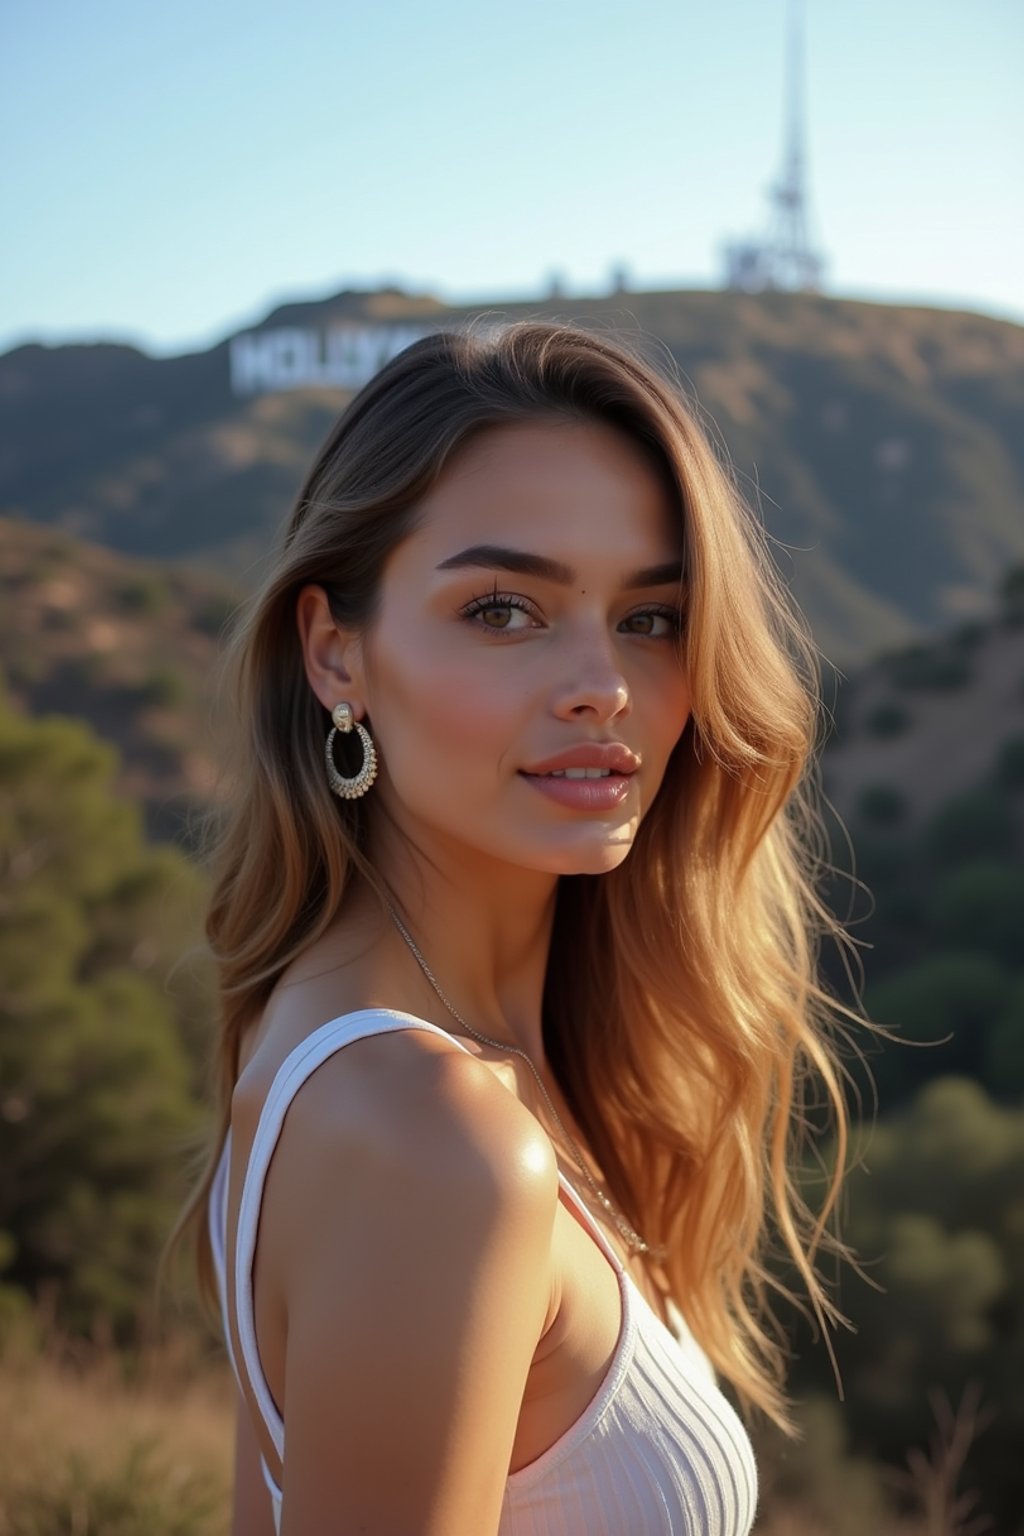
341	357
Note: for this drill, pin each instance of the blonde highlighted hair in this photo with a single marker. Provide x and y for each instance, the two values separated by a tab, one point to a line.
684	1014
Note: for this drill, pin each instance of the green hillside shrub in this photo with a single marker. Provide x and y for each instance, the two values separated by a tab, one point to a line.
880	859
91	671
903	908
975	825
882	805
943	1006
928	667
164	686
1011	596
839	706
936	1215
51	558
98	1077
887	719
970	636
214	613
981	907
1009	765
25	666
931	903
145	595
1002	1054
873	886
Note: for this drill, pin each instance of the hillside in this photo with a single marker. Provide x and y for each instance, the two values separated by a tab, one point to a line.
125	644
880	444
928	722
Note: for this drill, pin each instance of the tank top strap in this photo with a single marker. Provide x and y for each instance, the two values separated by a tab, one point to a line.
217	1220
297	1066
593	1225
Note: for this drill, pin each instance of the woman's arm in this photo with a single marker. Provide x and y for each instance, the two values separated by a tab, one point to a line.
252	1514
417	1276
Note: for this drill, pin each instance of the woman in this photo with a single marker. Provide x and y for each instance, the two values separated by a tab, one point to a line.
515	919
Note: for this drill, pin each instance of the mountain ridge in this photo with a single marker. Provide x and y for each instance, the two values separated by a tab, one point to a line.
880	446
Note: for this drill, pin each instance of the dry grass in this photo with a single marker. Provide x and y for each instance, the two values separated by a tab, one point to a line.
934	1480
87	1452
97	1445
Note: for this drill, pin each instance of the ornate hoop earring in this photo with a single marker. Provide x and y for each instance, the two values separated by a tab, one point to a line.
350	789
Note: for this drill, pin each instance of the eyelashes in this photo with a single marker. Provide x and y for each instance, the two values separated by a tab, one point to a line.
508	603
495	602
672	616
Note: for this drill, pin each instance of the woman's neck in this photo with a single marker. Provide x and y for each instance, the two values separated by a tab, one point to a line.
485	933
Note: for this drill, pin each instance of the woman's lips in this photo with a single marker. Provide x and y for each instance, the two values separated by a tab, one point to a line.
582	794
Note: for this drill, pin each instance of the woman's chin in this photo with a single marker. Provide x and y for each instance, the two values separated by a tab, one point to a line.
599	859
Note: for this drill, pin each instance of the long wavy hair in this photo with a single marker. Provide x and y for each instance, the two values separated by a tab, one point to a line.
684	1015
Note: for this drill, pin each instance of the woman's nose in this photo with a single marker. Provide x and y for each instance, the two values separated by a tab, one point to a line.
593	684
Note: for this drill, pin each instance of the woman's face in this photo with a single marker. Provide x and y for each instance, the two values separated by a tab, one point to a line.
527	631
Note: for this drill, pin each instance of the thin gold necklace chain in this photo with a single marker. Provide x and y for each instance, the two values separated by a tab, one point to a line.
630	1234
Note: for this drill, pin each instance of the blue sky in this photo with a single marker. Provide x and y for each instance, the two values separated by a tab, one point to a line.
169	172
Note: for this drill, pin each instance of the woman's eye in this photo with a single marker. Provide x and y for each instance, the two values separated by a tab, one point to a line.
505	612
658	623
499	613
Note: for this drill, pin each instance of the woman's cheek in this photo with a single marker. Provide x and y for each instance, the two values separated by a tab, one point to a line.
443	703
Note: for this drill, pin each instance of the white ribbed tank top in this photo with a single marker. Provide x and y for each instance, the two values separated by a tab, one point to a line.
659	1451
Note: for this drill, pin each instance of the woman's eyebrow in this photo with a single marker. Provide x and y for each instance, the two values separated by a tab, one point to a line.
494	557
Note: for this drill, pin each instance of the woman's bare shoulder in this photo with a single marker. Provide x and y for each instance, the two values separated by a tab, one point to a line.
401	1098
407	1089
414	1217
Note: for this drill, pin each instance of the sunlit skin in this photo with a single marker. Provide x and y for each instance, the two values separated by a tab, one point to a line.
473	673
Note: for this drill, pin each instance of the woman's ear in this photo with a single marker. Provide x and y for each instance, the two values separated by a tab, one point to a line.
332	655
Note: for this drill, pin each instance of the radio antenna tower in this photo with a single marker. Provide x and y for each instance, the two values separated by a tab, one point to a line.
784	259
